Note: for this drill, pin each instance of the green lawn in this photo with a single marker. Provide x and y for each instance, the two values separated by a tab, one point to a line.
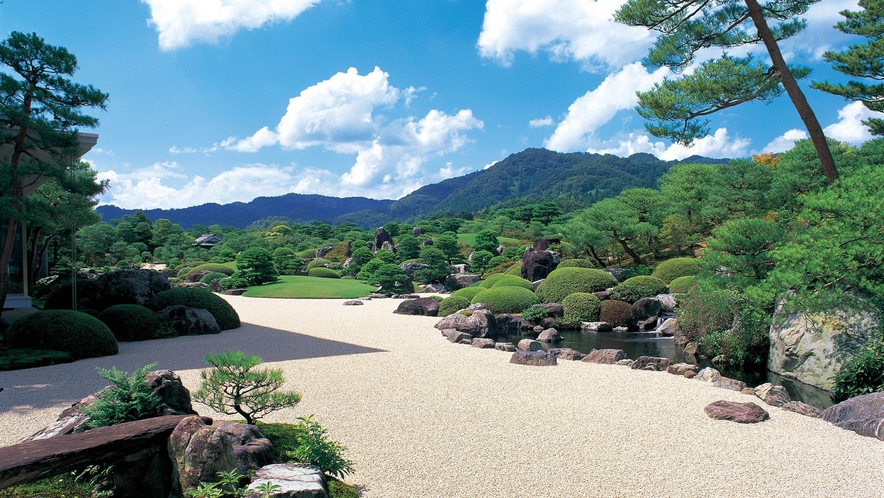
302	287
470	239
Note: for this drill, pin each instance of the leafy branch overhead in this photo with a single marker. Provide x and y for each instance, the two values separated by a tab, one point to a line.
689	28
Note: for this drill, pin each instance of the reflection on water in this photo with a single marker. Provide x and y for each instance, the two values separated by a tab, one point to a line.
636	344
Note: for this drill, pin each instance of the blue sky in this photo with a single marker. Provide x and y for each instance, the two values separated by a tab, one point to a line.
227	100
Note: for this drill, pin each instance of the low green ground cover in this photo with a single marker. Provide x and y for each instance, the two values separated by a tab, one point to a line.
302	287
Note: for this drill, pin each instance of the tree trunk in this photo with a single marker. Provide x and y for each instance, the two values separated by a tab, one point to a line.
597	258
632	254
794	91
5	256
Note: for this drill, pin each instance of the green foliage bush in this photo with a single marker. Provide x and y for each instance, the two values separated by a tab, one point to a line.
390	278
133	322
452	304
616	313
255	264
490	280
534	313
322	272
576	263
747	343
317	262
581	307
562	282
506	299
212	267
706	310
682	285
208	277
671	269
223	312
307	442
467	292
864	373
128	399
635	288
81	335
19	358
368	269
515	269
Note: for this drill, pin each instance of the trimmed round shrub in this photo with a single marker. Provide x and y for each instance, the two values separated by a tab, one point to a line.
212	267
467	292
132	322
81	335
513	281
60	298
671	269
506	299
682	285
317	263
576	263
616	313
492	279
516	269
322	272
223	312
635	288
452	304
208	277
562	282
581	307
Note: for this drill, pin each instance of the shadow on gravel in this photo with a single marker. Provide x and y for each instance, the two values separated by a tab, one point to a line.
36	388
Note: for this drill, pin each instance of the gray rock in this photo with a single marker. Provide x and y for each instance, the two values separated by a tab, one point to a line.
744	413
323	251
605	356
461	280
381	237
667	328
538	261
596	327
651	363
567	354
433	288
130	286
354	302
529	345
198	452
251	450
549	335
645	312
424	306
625	362
175	397
505	346
483	343
512	324
708	374
190	285
620	274
679	368
728	383
533	358
475	321
773	395
553	309
410	269
460	269
296	480
863	415
456	336
667	301
803	409
189	321
691	348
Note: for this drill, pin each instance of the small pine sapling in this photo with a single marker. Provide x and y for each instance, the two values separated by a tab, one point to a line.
130	398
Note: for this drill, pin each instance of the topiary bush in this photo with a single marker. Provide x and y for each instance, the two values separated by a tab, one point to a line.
452	304
671	269
208	277
682	285
562	282
706	310
223	312
581	307
81	335
635	288
322	272
467	292
576	263
318	262
212	267
516	269
133	322
513	281
506	299
616	313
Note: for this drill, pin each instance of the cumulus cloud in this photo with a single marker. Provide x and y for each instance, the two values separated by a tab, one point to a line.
541	122
565	29
183	22
589	112
785	141
719	144
849	128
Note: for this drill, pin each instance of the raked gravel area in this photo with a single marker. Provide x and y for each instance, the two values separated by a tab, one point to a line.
426	418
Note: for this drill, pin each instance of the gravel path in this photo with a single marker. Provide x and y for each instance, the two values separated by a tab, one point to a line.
423	417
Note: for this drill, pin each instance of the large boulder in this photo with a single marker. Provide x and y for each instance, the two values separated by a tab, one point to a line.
533	358
567	354
863	415
549	335
424	306
605	356
744	413
512	324
651	363
295	480
645	312
189	321
175	397
529	345
198	452
538	261
475	321
381	237
410	269
457	281
813	347
129	287
773	395
251	450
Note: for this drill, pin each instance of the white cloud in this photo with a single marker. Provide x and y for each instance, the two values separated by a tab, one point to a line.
565	29
785	141
717	145
589	112
541	122
850	128
183	22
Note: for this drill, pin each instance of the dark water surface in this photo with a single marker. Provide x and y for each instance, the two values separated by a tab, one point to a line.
636	344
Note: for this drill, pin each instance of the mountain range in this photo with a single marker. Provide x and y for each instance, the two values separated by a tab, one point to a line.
533	174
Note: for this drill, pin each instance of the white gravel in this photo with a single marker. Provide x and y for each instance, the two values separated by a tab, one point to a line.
424	417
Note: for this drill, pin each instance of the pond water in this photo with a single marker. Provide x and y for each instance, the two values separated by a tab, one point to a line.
636	344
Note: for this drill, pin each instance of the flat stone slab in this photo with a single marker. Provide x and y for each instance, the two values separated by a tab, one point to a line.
743	413
651	363
605	356
534	358
296	480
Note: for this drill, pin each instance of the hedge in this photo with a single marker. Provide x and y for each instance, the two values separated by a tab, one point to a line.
617	313
635	288
506	299
452	304
581	307
513	281
81	335
562	282
576	263
671	269
467	292
682	285
133	322
223	312
322	272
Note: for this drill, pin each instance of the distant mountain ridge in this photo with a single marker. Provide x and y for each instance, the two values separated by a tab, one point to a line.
532	174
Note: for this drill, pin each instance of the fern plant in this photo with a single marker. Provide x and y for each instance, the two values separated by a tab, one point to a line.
315	448
128	399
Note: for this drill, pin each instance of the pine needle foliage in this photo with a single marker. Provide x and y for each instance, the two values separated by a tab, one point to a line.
128	399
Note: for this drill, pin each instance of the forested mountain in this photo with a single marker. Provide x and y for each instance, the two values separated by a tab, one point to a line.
533	174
